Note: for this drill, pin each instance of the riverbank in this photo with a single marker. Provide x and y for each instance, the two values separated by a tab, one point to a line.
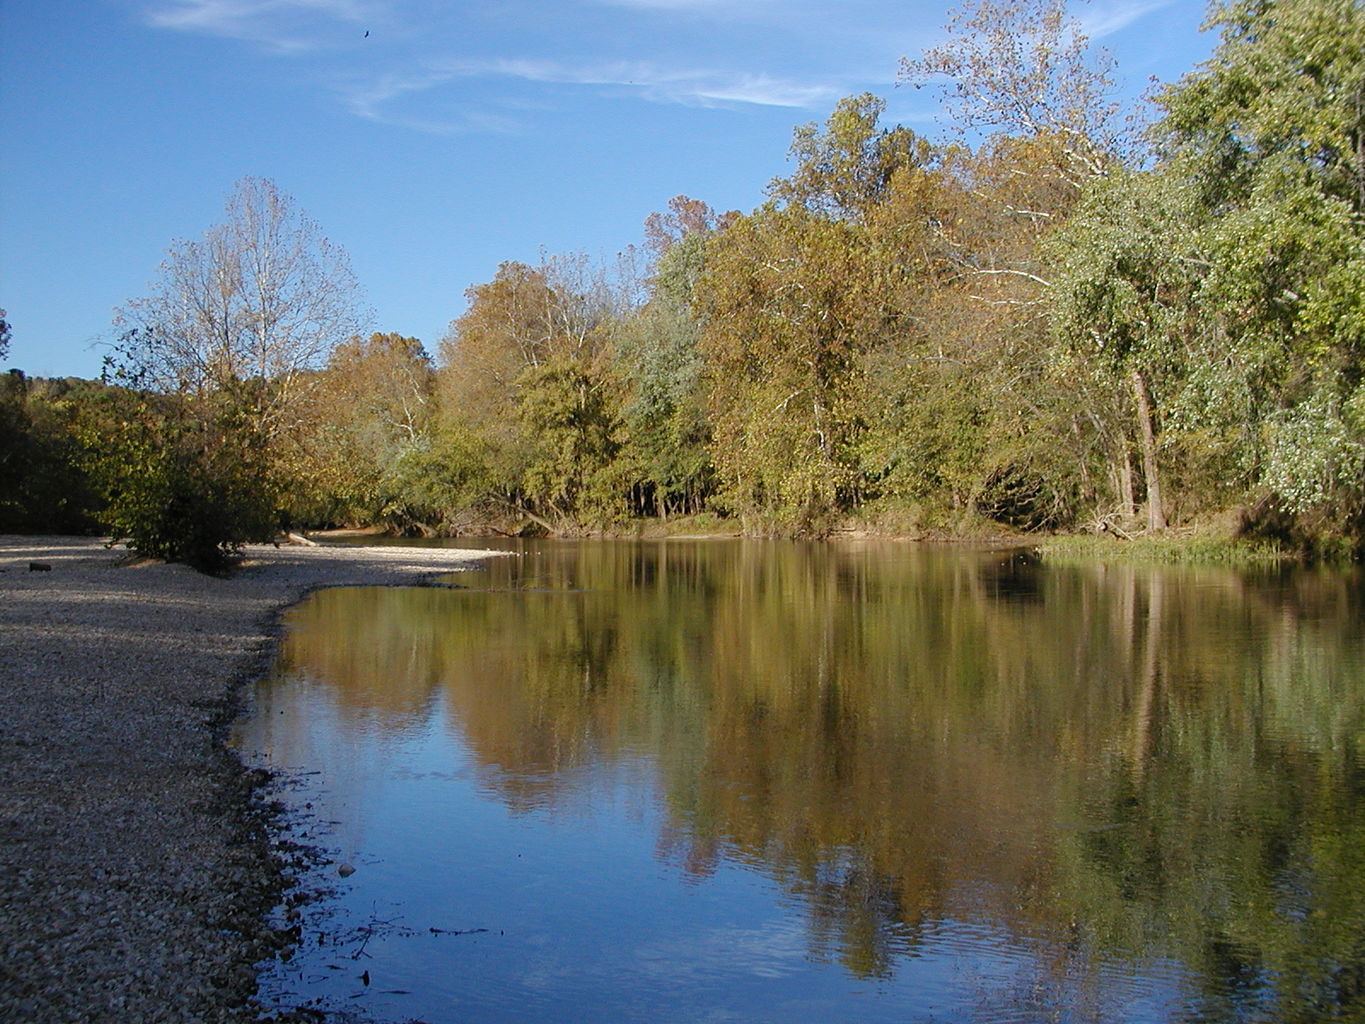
134	864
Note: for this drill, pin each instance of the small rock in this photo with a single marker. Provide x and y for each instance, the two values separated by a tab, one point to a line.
345	870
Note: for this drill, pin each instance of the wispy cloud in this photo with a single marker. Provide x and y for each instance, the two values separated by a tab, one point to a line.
1106	19
384	100
406	79
697	87
284	26
388	98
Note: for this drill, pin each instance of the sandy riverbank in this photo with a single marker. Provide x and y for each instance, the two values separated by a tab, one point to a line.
133	874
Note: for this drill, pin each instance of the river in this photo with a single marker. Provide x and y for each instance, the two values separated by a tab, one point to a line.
855	781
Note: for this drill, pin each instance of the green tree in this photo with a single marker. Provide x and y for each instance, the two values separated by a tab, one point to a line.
658	359
186	479
1283	91
1269	135
1124	301
43	487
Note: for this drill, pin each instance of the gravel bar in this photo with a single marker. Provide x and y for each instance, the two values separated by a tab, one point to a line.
135	868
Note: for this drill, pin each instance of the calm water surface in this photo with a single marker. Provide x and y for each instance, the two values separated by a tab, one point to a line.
745	781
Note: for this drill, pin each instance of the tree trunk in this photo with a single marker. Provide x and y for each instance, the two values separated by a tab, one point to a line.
1127	496
1156	516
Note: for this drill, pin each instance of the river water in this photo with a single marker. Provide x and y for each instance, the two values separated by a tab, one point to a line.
763	781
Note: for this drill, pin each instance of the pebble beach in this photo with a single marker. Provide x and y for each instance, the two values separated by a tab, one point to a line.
136	874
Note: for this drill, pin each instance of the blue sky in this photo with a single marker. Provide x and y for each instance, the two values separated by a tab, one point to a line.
453	137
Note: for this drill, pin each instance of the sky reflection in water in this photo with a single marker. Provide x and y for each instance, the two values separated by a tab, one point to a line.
781	782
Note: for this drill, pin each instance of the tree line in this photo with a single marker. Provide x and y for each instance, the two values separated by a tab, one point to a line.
1051	318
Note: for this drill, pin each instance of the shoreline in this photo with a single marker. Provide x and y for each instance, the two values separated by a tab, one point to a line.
136	868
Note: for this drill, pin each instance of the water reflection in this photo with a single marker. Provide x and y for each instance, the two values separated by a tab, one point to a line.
970	786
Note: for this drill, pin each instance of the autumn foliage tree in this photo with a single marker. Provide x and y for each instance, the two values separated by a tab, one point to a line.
525	386
214	364
792	298
364	421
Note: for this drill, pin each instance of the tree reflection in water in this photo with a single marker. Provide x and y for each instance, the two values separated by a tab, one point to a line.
1119	769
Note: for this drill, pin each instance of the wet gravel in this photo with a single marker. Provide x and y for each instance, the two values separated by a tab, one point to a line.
136	873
